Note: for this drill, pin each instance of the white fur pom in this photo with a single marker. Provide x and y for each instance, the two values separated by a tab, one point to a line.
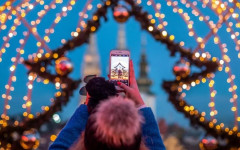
117	121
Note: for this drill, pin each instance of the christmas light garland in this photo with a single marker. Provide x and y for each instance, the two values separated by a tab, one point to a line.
174	88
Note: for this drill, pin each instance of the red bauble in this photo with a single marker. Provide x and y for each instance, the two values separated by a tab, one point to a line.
30	139
209	143
63	66
121	14
182	68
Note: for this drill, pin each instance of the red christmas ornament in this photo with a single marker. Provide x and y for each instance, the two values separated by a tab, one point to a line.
30	139
182	68
208	143
63	66
121	14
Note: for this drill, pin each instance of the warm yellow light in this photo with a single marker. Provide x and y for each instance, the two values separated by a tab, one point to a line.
41	2
211	113
39	44
186	108
213	95
237	25
214	59
211	124
218	127
152	21
7	106
108	2
201	119
216	40
58	94
59	1
238	119
238	134
235	128
219	68
25	114
47	55
203	80
29	103
227	69
95	18
3	50
46	81
55	55
72	2
180	11
23	14
46	38
191	33
171	37
191	107
211	104
30	116
233	108
199	39
212	82
93	28
53	138
190	26
21	51
42	69
46	108
160	26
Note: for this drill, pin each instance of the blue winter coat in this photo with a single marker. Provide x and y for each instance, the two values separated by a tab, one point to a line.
73	129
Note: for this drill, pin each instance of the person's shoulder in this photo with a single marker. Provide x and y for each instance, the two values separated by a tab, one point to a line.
145	109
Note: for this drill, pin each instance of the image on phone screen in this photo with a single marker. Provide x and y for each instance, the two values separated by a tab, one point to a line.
119	68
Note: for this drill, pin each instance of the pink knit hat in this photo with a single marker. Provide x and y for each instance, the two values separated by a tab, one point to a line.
115	123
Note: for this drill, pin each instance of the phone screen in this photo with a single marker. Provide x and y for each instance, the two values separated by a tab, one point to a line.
119	68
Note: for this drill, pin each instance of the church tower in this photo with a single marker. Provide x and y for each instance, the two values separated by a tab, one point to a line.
121	38
91	61
144	83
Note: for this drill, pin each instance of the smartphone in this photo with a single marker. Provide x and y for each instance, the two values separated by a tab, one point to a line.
119	66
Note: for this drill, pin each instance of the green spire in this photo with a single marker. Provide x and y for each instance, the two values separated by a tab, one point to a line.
143	81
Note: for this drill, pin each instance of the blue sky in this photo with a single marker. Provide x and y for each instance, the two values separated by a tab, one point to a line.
158	57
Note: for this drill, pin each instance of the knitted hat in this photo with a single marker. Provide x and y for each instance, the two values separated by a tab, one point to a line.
116	123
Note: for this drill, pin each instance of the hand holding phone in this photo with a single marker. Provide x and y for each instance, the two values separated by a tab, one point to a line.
132	91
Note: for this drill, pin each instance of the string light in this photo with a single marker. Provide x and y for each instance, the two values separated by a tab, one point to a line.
217	6
15	25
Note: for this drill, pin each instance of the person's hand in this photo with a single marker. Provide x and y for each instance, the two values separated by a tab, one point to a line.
132	91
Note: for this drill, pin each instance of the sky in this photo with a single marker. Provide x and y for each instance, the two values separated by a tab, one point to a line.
158	57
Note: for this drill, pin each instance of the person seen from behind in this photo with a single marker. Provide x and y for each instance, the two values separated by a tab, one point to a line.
113	128
73	130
